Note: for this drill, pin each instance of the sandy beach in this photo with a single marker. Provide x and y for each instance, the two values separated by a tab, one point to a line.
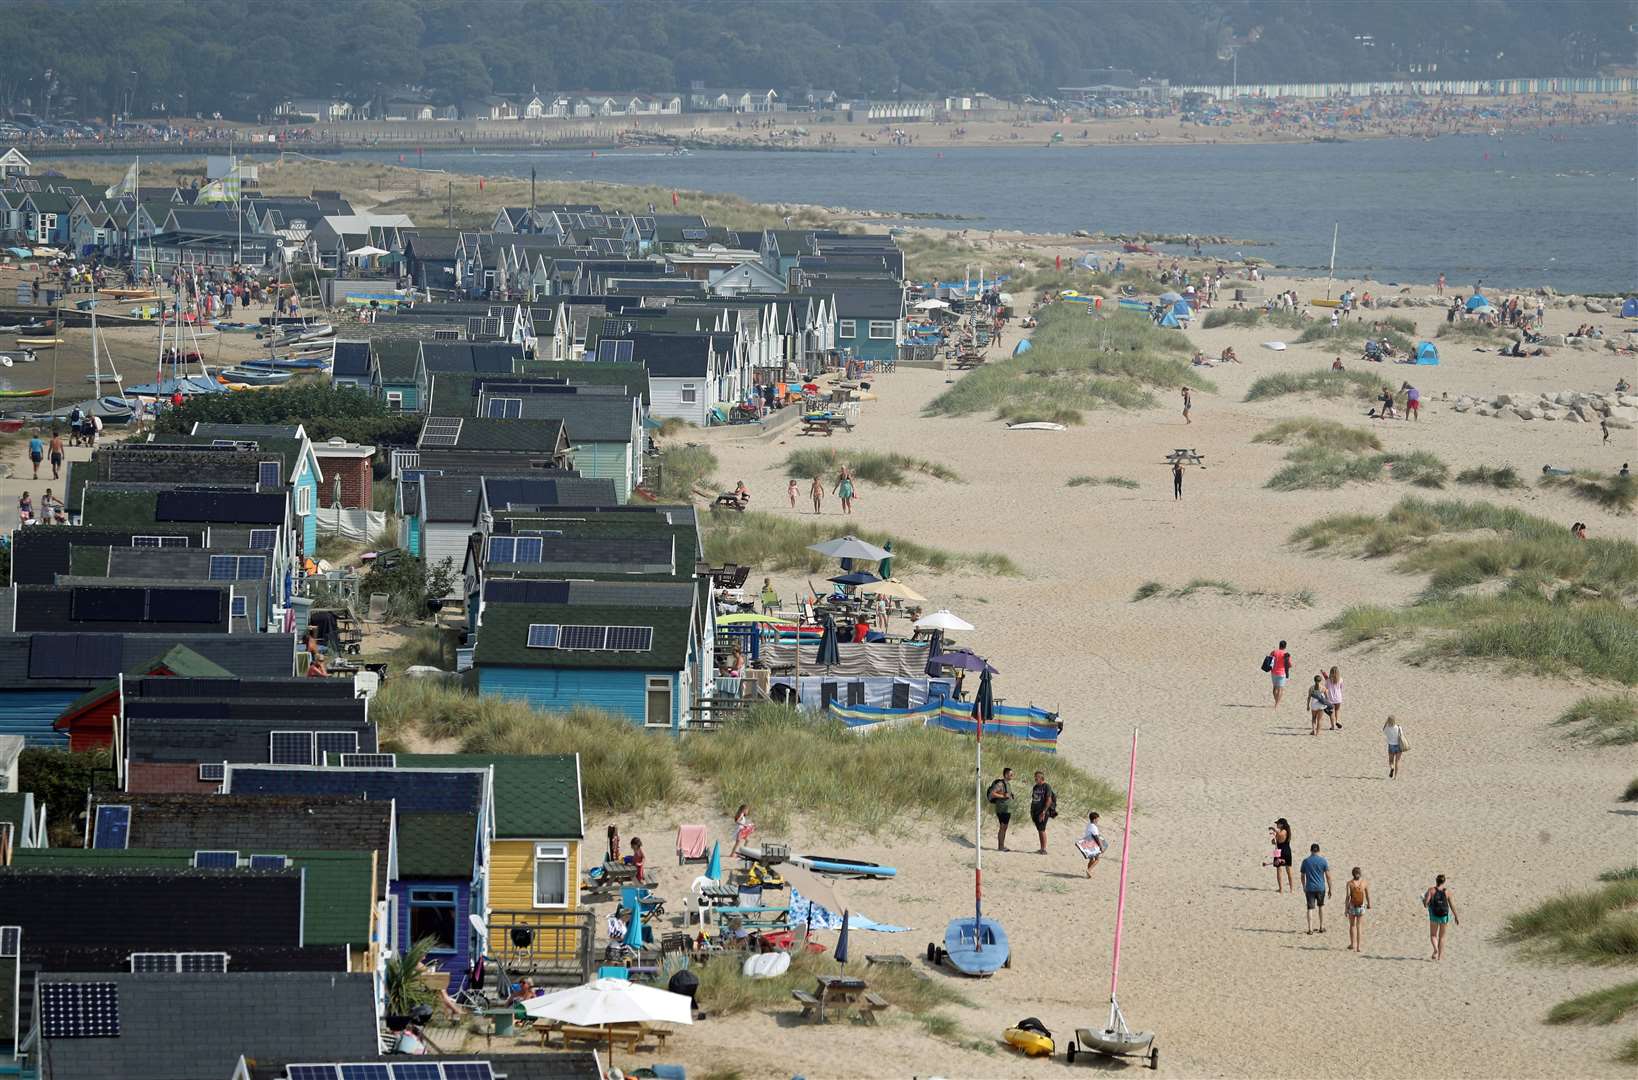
1215	960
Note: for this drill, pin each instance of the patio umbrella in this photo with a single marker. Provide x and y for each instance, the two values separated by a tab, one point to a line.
930	304
713	869
368	251
611	1001
891	587
942	619
841	942
828	655
886	567
984	700
1169	298
634	928
850	547
964	659
857	577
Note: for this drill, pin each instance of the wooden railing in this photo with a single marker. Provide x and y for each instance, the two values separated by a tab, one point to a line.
548	946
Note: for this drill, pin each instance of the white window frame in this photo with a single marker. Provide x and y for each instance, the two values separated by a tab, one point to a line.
395	400
883	329
652	683
304	500
689	394
847	328
550	854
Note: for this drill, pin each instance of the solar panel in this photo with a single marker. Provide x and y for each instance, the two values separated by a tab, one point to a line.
108	605
542	635
203	963
154	963
337	742
441	431
223	567
268	473
216	860
262	538
79	1010
241	607
212	772
370	761
113	827
290	747
528	549
582	637
269	862
313	1072
185	605
416	1070
75	656
502	549
468	1070
631	638
366	1071
11	940
503	408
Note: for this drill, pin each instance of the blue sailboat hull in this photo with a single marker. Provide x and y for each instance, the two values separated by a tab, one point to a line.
976	946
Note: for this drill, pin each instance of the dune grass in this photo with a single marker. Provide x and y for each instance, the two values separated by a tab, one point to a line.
1602	719
770	542
1357	331
1607	492
791	766
1604	1006
1564	603
673	426
684	468
1301	598
1472	331
1076	363
1503	478
1250	317
1631	794
1107	481
1326	434
1628	1053
869	466
1624	873
1594	926
1323	383
1315	467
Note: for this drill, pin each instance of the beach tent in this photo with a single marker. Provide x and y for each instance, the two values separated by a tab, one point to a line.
1182	310
1021	348
1629	309
1426	353
1477	301
1169	321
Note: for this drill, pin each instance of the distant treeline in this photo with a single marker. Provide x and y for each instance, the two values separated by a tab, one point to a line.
241	57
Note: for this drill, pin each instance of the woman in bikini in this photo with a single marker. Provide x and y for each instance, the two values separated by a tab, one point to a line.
1282	844
1441	910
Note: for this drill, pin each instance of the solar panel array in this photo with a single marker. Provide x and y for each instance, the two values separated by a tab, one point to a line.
442	431
515	549
290	747
216	860
606	638
397	1070
369	761
186	963
79	1010
336	742
237	567
203	963
113	827
619	352
269	862
503	408
159	541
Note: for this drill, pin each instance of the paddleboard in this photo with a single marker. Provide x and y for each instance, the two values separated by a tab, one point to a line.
823	864
40	342
1036	425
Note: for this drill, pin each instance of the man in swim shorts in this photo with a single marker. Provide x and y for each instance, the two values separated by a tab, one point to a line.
1316	885
1000	795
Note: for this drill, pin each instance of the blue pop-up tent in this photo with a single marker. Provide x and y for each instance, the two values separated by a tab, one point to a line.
1182	310
1629	309
1021	348
1169	321
1426	353
1477	301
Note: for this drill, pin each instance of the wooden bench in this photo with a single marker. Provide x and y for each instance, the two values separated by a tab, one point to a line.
870	1005
809	1003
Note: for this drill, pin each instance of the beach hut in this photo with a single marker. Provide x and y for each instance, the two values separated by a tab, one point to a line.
1629	309
1427	353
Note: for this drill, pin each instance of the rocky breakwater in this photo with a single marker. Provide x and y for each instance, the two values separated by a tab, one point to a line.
1574	406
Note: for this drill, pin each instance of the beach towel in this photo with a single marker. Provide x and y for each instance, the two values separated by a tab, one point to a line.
820	918
691	841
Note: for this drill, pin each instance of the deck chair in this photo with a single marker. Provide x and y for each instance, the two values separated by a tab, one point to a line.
378	608
692	844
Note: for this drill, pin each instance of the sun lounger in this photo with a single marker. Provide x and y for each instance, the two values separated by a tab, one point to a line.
691	844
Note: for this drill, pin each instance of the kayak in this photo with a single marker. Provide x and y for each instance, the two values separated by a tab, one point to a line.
25	393
1326	303
824	864
39	342
1032	1043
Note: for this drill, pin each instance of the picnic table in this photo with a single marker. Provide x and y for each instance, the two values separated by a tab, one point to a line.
818	425
842	992
626	1035
1187	457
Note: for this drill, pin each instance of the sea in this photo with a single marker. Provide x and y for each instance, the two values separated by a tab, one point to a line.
1557	207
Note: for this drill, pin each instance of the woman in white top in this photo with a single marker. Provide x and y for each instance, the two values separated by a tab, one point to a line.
1396	744
1091	843
1333	694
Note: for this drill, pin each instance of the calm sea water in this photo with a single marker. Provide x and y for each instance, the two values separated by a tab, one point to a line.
1524	209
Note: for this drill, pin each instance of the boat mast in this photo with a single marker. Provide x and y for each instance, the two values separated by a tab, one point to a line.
1336	227
978	829
1120	903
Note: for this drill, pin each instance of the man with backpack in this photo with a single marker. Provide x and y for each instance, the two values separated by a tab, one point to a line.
1278	665
1000	796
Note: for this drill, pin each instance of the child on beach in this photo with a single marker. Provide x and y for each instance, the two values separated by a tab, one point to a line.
1188	403
817	491
1395	735
742	827
791	491
1091	843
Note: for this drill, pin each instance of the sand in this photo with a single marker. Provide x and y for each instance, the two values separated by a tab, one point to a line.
1215	961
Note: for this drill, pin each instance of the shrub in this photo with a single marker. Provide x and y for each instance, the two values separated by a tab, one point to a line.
408	583
890	470
790	764
683	469
1616	493
1076	362
1631	794
1605	719
1327	434
1147	589
1323	383
60	779
1604	1006
1505	478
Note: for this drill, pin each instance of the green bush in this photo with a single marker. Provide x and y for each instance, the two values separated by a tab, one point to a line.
408	583
1076	362
1323	383
1505	478
325	412
1631	794
889	470
1605	719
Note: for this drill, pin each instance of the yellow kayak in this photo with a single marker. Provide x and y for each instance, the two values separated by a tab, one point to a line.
1032	1043
39	342
1326	303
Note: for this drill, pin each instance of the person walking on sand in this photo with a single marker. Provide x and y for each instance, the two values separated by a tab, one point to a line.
1043	807
817	491
742	828
1280	835
1441	910
1395	735
1278	665
1188	403
844	490
1000	796
790	490
1439	289
55	452
1604	426
1356	904
1177	479
1091	843
1317	705
1316	886
36	454
1333	694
